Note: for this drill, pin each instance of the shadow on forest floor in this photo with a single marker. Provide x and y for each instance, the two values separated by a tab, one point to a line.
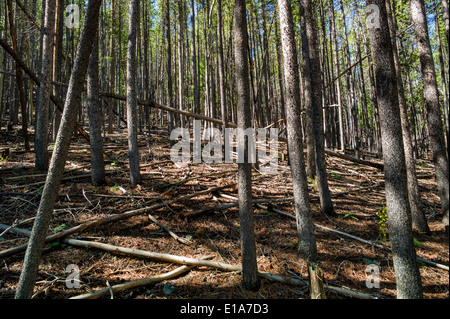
342	259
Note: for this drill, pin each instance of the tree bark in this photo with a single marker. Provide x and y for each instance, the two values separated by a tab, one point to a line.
431	96
43	98
248	244
446	19
222	89
196	106
397	202
337	71
132	120
95	118
313	100
181	60
305	226
111	69
419	221
169	67
56	169
19	78
444	74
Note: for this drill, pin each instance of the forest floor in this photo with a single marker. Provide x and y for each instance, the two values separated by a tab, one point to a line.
343	260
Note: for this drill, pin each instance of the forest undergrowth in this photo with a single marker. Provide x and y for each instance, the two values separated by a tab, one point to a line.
200	230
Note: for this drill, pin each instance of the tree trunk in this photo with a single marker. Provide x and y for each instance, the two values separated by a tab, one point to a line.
248	244
57	61
132	120
446	20
56	169
19	78
313	100
222	89
169	67
43	98
111	70
282	109
95	118
444	75
431	96
305	226
180	60
351	98
419	221
399	218
196	107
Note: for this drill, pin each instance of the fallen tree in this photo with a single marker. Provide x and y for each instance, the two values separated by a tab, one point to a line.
340	233
109	219
36	80
155	105
187	261
135	283
232	125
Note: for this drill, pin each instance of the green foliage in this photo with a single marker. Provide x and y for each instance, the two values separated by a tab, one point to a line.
417	243
59	228
350	215
115	163
336	176
382	222
293	244
270	213
114	188
57	244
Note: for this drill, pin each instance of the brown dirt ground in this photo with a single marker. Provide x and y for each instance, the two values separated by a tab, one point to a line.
343	260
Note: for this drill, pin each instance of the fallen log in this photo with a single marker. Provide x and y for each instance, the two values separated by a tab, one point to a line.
355	160
35	78
369	242
192	262
135	283
232	125
171	233
365	241
270	201
109	219
166	108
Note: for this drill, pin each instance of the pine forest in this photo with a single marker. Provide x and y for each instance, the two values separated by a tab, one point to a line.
224	149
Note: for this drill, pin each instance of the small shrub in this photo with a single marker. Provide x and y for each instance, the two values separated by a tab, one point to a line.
382	222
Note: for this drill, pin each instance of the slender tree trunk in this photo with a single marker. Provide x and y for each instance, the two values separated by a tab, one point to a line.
19	78
222	89
431	95
280	71
418	218
169	67
57	51
56	169
444	75
305	226
399	218
132	119
111	69
248	244
95	118
351	99
43	98
313	100
196	107
446	20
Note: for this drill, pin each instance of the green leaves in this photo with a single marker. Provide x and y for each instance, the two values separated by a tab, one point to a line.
417	243
382	222
59	228
350	215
